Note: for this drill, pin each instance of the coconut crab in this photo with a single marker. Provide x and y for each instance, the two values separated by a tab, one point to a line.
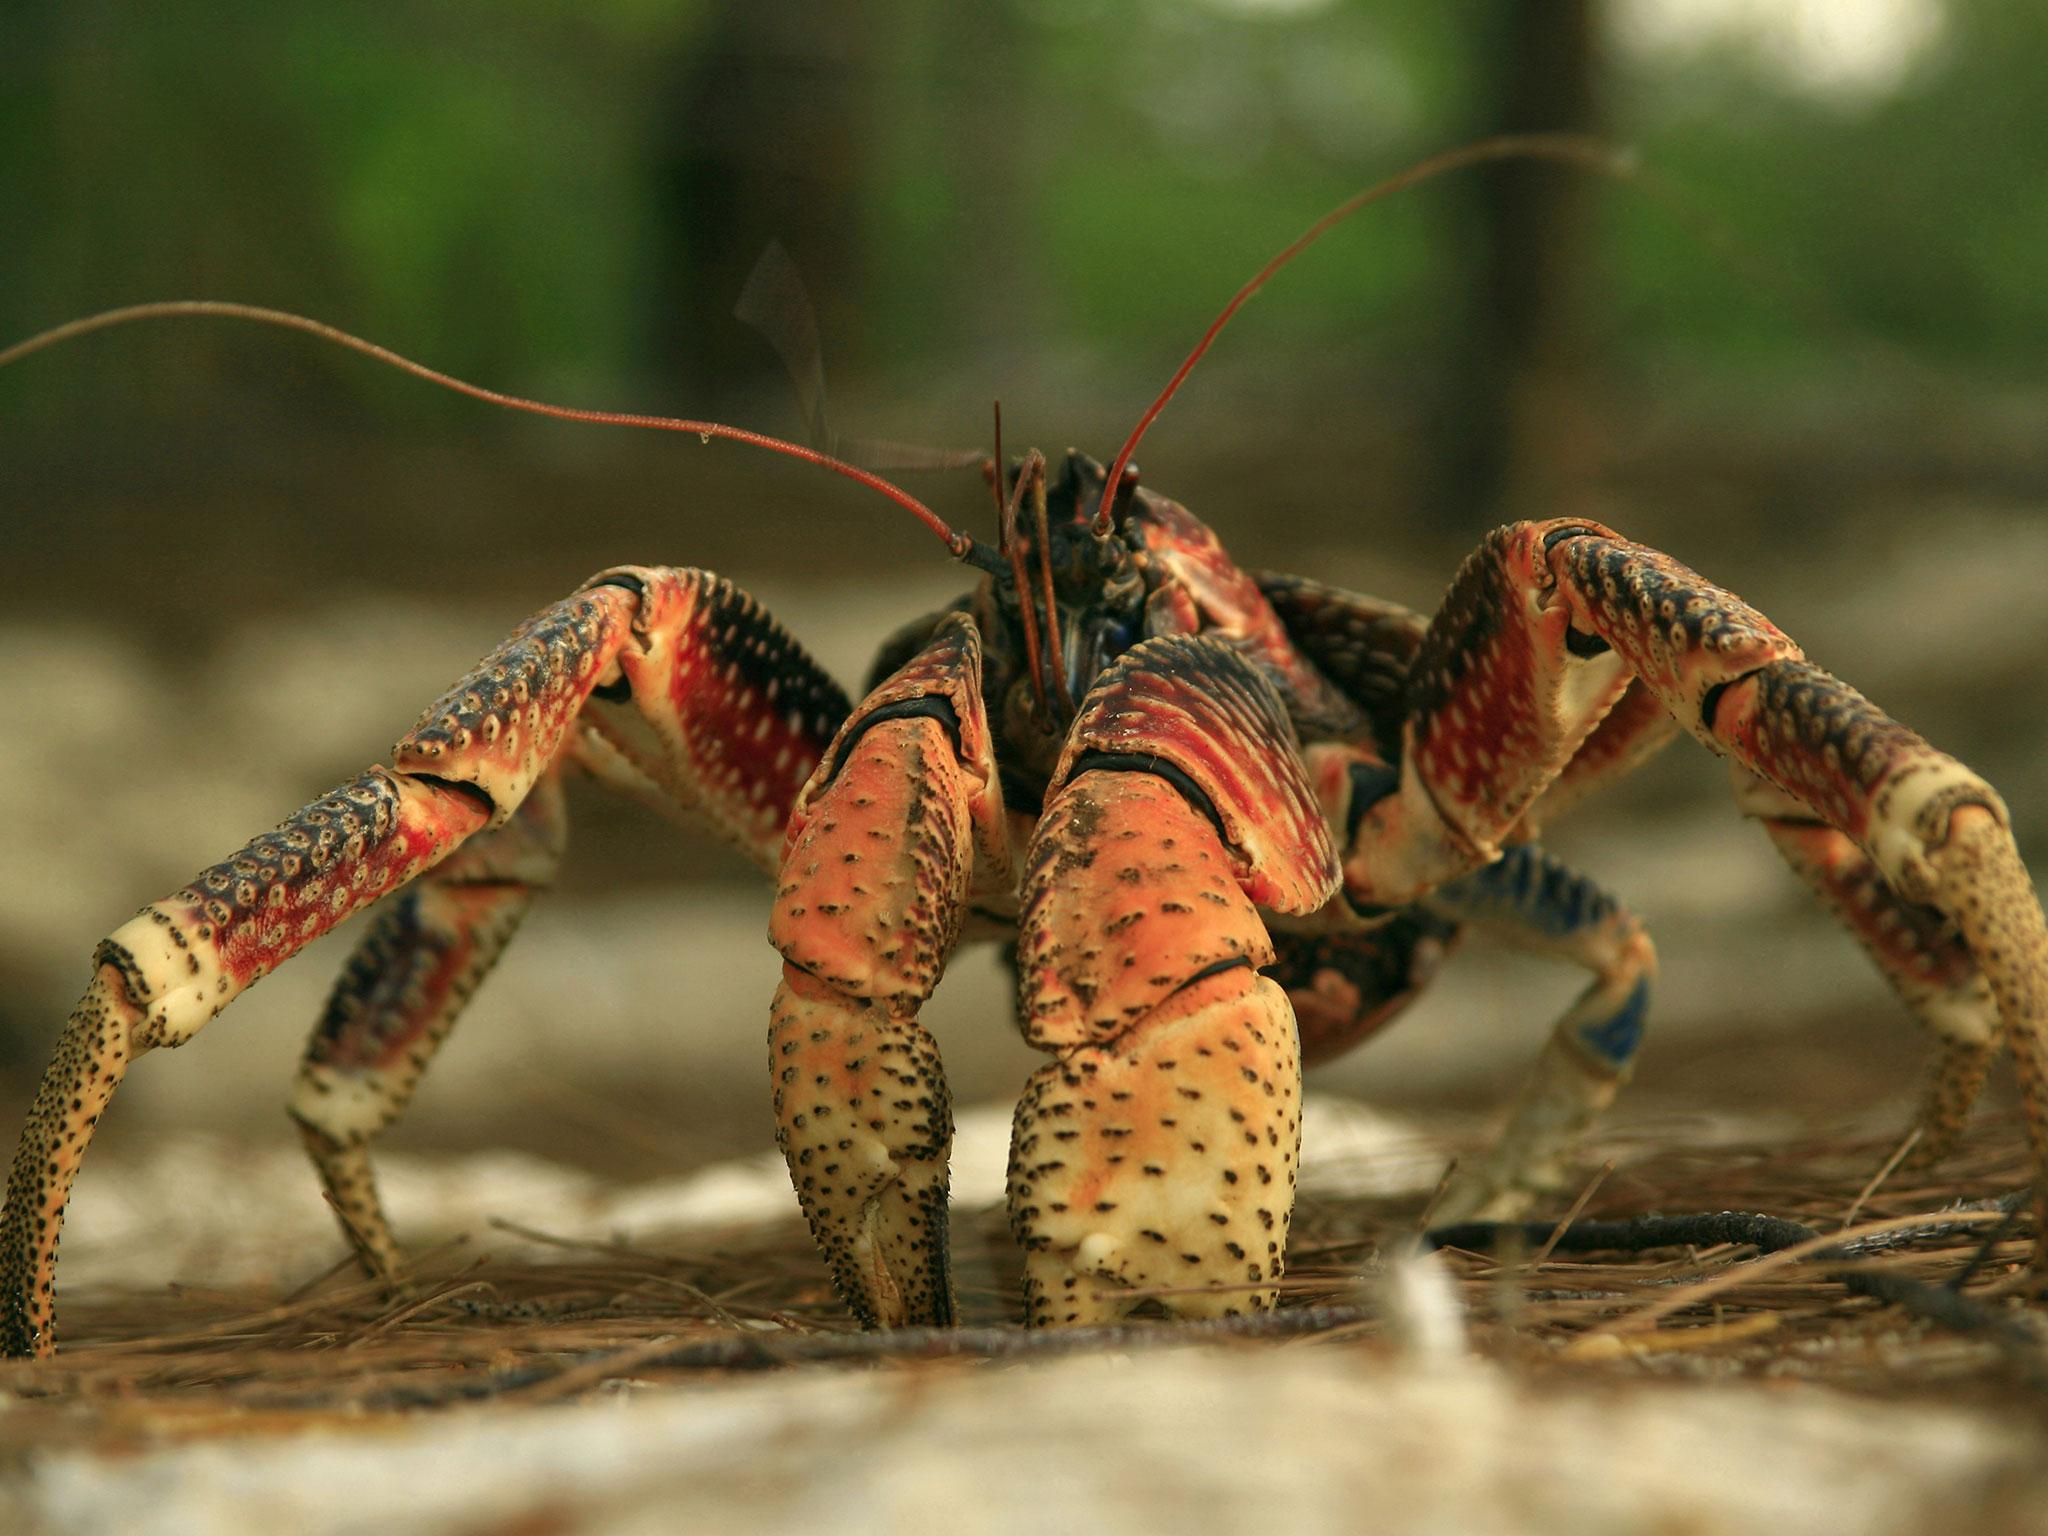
1230	820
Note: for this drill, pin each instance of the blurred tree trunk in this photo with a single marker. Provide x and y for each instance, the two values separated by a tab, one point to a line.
767	140
1519	434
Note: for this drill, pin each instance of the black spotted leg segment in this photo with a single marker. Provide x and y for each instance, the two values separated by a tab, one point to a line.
1935	832
902	819
1531	901
1155	1157
1346	985
1918	952
400	994
466	766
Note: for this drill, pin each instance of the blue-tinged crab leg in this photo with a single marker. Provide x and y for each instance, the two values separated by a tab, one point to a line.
1529	900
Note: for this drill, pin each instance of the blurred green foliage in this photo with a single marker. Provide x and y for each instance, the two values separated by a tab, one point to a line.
480	182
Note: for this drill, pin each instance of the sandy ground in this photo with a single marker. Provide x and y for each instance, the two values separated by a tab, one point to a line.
1421	1424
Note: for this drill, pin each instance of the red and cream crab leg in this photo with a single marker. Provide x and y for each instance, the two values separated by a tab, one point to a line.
696	692
1917	951
400	994
1536	643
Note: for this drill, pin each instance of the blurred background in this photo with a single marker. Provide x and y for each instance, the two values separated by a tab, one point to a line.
234	564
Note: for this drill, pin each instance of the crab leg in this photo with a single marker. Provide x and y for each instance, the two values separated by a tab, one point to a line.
703	701
902	821
1934	832
1927	964
1545	648
718	715
399	996
1529	900
159	979
1157	1154
1635	730
714	717
1348	984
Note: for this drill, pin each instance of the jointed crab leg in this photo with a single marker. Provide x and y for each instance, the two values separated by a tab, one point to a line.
1531	901
1635	730
702	700
401	993
1926	962
161	977
902	820
1158	1152
1536	643
1935	833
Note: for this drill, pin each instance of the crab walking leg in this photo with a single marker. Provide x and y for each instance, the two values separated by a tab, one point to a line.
1156	1156
1926	962
1935	832
467	765
399	996
1531	901
1347	985
162	976
1635	730
714	717
901	823
1538	641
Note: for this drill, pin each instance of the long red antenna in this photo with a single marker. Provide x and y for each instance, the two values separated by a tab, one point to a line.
958	544
1564	148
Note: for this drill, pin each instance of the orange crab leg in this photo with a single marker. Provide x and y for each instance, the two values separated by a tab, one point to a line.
902	821
671	685
1157	1153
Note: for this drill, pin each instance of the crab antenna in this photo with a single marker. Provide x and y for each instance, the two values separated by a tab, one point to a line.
958	545
1562	148
1041	523
1020	575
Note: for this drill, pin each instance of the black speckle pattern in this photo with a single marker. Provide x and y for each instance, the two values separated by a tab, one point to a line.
1361	644
1347	986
